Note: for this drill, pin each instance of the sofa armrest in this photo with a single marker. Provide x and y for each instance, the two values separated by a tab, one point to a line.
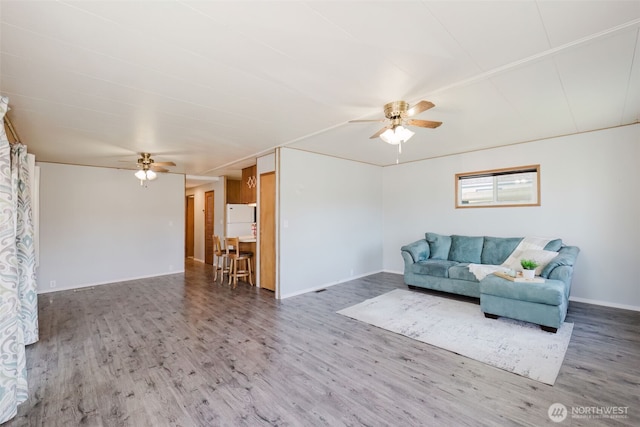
566	257
563	273
416	251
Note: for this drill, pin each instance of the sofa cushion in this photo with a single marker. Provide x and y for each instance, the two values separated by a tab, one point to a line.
433	267
466	248
551	292
438	245
496	250
461	272
554	245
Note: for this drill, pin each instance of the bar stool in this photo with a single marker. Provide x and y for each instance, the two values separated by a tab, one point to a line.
220	260
240	262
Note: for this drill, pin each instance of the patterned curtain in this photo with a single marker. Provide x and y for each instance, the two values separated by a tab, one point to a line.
18	291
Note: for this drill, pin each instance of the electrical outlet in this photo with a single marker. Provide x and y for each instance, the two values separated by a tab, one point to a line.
52	284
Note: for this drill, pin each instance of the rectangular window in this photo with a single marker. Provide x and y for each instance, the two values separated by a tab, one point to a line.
499	188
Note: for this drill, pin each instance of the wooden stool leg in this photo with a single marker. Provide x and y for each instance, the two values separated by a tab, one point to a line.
232	263
222	268
250	273
235	273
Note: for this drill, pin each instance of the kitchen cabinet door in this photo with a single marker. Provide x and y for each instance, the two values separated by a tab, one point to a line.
234	191
249	185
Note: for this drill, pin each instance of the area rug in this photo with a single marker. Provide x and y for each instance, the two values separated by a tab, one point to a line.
518	347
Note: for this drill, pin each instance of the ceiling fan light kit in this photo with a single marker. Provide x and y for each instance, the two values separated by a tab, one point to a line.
396	135
147	175
398	113
148	168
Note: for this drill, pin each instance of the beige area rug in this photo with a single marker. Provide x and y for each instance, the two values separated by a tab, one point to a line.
518	347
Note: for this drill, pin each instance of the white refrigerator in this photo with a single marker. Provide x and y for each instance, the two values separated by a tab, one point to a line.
240	219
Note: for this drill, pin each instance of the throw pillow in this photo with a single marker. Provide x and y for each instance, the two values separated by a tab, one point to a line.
554	245
438	245
466	248
542	257
496	250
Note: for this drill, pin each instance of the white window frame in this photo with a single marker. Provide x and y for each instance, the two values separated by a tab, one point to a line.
533	198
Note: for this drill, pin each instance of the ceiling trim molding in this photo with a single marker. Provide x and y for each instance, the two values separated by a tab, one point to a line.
203	178
493	147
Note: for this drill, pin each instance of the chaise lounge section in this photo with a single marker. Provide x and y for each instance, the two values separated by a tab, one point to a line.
441	263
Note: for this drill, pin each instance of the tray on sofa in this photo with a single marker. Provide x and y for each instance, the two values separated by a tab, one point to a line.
518	279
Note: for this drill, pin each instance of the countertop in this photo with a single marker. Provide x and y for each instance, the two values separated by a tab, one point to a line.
248	239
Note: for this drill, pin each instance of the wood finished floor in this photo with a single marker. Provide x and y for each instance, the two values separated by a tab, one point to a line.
181	351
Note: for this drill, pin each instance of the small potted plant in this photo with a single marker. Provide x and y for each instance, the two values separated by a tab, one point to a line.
529	268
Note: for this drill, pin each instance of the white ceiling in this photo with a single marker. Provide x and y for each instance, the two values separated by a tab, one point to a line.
210	84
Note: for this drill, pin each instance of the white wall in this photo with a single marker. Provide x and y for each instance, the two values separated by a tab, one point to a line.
330	221
589	195
198	213
266	163
98	225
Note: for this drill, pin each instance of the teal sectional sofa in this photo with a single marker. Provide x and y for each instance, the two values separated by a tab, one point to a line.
440	262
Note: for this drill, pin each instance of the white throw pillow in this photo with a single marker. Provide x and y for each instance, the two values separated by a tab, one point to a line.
542	257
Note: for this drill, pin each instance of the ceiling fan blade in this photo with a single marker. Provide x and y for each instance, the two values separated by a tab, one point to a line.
363	121
423	123
164	163
158	169
377	134
419	108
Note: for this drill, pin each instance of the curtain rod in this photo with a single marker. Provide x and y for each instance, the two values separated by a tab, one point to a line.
12	130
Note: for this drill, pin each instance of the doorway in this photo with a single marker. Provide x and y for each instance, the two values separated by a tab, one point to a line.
189	235
208	226
267	223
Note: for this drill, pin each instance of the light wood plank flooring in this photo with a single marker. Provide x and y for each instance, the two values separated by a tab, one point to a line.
182	351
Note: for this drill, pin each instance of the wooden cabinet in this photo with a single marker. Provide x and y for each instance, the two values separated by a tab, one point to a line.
244	190
249	184
234	191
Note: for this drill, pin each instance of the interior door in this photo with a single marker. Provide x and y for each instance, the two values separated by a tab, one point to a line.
189	230
208	226
267	224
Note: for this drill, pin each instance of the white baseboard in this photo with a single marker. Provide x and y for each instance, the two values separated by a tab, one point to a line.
605	303
327	285
88	285
199	260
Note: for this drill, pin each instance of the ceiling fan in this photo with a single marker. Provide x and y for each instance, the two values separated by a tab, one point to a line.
148	168
398	114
